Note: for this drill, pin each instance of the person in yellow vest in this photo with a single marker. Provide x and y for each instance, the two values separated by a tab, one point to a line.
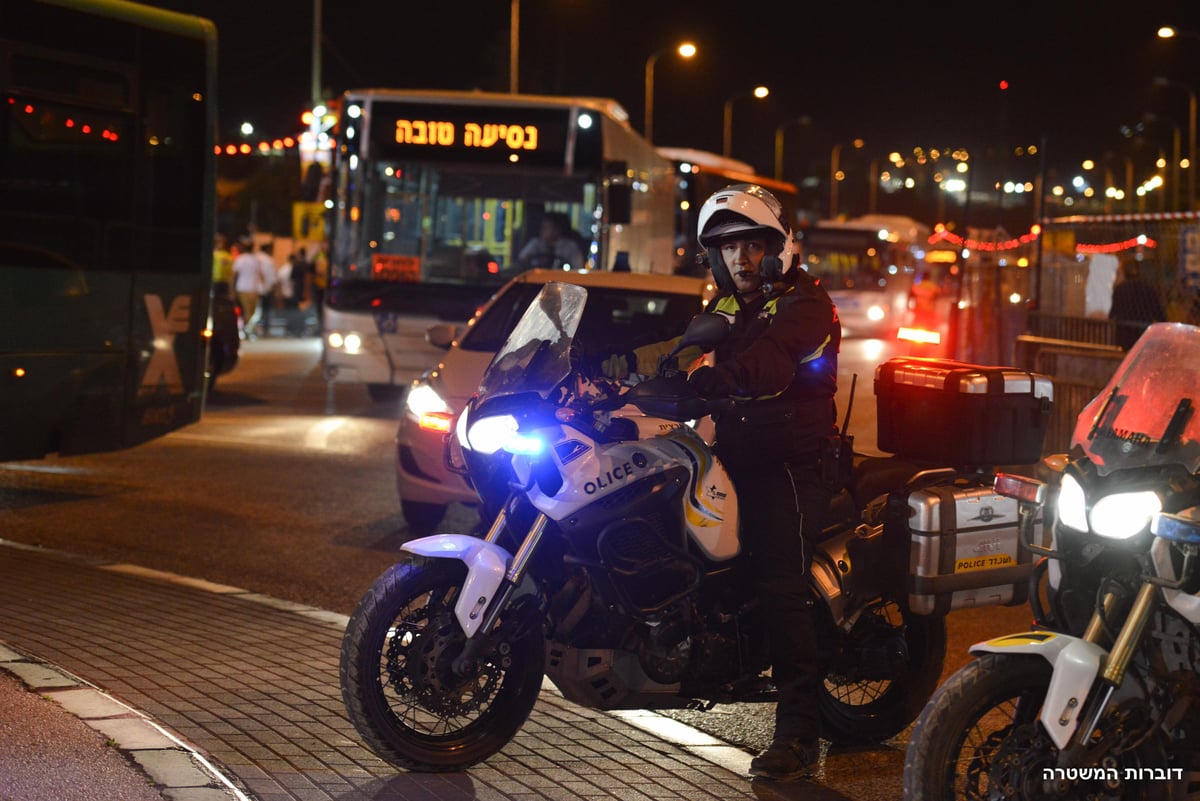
320	282
222	266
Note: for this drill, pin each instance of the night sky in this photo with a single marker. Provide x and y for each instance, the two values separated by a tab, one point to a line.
896	75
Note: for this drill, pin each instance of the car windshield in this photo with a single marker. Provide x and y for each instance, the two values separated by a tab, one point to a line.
1147	413
614	320
537	354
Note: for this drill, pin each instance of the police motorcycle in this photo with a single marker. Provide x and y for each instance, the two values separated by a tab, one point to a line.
613	567
1099	700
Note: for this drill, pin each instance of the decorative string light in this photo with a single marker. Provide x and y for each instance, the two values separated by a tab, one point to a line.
1026	239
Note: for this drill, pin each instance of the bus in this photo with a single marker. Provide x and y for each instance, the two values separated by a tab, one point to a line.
436	192
698	175
107	201
868	265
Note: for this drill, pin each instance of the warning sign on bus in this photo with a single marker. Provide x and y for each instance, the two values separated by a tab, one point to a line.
389	267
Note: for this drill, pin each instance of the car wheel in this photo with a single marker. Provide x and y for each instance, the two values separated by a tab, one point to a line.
422	516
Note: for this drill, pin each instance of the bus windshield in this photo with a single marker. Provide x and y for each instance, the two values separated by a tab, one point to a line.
429	222
867	265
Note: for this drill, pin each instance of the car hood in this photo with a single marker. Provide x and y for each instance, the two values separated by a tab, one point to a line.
457	376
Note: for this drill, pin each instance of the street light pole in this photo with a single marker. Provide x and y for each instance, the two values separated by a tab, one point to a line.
1191	168
514	44
834	156
727	139
779	143
835	175
686	50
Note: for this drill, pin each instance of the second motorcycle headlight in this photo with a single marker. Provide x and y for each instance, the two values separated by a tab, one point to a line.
1118	516
489	434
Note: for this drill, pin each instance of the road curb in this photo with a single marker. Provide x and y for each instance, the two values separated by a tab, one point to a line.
177	769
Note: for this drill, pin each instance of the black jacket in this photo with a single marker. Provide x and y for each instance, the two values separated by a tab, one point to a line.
782	357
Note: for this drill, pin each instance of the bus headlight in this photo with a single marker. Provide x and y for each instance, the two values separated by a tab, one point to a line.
351	342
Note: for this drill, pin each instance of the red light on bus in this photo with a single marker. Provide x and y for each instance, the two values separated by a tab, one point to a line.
28	108
87	129
493	267
70	123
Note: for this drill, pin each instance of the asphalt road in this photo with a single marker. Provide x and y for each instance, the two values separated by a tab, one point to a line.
286	487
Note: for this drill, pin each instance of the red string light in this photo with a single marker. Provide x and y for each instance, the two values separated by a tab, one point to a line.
1032	236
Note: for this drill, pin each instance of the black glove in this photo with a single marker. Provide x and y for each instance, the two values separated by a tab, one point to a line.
712	382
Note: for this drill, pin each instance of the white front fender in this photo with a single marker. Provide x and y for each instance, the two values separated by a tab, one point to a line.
1075	664
486	565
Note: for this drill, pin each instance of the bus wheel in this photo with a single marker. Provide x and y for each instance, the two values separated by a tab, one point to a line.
382	393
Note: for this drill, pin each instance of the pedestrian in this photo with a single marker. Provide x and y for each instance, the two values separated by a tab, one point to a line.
269	282
247	284
296	291
1135	305
222	266
780	362
320	281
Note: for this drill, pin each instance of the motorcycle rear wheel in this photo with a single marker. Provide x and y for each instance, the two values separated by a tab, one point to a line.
980	738
858	709
397	684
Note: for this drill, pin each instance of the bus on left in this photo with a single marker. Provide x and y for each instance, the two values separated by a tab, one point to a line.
107	203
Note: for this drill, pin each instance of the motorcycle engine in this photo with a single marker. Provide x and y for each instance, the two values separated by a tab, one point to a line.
650	573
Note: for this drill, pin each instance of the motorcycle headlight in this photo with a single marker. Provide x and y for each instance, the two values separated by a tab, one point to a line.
1118	516
432	413
490	434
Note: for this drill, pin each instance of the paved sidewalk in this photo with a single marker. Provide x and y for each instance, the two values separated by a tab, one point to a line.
214	693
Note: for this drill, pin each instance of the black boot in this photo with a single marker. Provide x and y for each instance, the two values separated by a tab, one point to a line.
787	760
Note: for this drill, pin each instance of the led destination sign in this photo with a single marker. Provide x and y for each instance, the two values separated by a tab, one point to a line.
475	134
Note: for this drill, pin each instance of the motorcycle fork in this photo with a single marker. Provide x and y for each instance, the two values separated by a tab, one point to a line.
1115	665
464	663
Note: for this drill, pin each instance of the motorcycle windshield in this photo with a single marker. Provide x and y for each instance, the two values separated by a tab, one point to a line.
536	357
1146	416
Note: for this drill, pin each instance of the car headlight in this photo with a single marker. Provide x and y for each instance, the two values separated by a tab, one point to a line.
1118	516
424	403
490	434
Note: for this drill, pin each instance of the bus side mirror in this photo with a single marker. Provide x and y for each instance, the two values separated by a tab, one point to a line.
620	204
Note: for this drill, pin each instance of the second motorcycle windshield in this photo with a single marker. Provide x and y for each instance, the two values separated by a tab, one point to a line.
536	357
1147	414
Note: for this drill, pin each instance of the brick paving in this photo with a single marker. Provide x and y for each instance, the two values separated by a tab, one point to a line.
251	684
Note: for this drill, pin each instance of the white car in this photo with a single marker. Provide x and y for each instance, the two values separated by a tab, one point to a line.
624	310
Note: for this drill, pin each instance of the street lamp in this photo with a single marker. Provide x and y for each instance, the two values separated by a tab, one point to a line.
1191	136
687	50
1168	32
760	92
836	175
805	120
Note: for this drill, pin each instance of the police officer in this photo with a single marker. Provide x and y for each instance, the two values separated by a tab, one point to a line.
781	361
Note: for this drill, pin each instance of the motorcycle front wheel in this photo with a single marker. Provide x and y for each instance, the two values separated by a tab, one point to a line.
890	664
398	684
980	738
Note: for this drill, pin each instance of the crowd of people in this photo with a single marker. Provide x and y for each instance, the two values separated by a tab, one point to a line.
267	290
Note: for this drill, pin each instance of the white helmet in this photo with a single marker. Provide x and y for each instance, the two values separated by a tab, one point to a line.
744	209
